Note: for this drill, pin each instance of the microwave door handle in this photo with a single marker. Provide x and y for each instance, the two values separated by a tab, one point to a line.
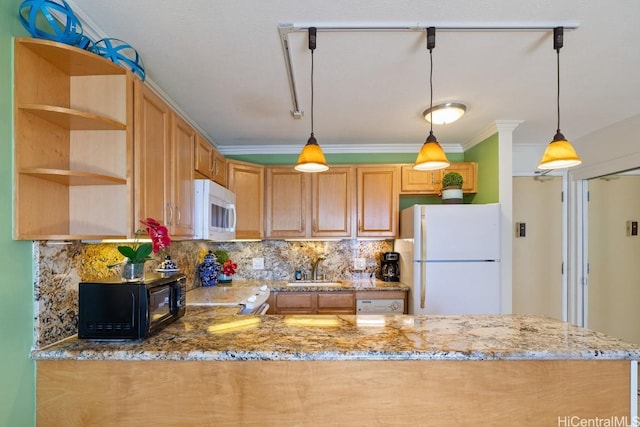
233	215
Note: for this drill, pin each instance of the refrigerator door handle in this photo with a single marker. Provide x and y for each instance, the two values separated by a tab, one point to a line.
423	259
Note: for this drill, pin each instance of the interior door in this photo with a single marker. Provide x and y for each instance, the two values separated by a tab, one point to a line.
614	257
537	255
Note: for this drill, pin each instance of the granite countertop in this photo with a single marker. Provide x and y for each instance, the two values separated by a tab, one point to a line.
210	334
345	284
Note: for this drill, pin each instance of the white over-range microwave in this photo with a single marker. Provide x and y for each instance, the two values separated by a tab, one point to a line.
215	211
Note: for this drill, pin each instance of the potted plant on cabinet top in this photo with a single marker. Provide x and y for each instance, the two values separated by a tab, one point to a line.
452	188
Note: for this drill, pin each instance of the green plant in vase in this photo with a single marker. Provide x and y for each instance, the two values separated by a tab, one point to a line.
227	267
452	188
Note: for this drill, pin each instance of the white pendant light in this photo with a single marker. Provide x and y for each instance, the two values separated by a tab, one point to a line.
559	153
311	157
431	155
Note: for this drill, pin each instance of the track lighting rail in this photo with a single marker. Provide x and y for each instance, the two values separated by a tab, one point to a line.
285	29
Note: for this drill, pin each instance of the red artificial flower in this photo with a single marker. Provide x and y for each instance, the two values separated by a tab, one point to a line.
158	233
229	267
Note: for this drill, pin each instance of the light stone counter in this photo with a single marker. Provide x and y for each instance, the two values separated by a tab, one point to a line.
213	335
345	284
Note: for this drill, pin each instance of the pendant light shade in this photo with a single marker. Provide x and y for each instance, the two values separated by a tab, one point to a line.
431	155
311	157
559	153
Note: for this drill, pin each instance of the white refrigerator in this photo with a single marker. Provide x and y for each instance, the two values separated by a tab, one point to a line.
450	257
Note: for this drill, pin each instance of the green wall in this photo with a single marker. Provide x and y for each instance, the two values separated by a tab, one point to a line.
486	155
17	372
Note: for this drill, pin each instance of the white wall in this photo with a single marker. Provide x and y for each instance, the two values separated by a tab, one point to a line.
612	149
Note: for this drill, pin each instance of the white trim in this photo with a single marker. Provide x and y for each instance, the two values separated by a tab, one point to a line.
565	247
334	148
505	196
491	130
634	393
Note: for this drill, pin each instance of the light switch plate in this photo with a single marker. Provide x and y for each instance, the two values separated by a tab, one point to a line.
359	263
258	263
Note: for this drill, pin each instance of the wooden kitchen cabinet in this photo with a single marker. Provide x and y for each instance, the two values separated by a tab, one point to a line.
332	202
286	205
208	163
181	220
419	182
219	170
336	303
377	198
430	182
308	205
73	144
294	303
246	180
469	172
163	153
202	158
319	302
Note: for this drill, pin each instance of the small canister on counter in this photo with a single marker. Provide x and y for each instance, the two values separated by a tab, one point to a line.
298	275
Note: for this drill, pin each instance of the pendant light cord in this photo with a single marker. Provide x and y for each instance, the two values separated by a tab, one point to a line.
312	91
431	90
558	97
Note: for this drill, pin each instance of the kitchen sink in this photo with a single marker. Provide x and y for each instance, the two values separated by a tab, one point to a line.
306	283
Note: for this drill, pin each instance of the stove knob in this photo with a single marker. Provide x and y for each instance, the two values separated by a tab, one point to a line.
394	305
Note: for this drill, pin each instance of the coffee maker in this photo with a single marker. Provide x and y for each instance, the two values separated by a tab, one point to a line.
389	266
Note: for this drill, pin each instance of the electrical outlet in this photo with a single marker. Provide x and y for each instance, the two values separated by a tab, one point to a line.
258	263
359	263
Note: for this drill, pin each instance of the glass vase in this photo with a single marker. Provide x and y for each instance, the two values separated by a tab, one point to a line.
133	272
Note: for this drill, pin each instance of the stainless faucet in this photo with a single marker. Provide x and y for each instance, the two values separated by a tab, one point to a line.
314	268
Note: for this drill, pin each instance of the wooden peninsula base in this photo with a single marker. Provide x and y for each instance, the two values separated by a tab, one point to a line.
315	393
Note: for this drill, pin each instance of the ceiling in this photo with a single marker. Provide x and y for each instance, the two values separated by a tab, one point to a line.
221	63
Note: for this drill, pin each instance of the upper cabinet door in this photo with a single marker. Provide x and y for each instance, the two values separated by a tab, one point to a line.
152	150
287	195
219	168
182	189
377	194
419	182
332	202
246	180
203	158
469	172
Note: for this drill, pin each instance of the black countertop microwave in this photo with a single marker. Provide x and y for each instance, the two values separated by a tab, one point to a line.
115	310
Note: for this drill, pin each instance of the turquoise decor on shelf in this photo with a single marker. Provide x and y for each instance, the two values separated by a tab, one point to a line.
121	53
51	20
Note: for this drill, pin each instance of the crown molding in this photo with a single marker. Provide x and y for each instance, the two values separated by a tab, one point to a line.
333	148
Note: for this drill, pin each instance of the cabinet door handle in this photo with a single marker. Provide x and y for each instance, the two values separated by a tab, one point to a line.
170	214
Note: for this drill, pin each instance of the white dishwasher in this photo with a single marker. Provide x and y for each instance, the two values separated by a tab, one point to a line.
380	306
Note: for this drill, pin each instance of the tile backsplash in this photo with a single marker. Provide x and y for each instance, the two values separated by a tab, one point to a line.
60	266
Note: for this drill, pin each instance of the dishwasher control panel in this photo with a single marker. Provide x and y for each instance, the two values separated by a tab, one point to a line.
380	306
